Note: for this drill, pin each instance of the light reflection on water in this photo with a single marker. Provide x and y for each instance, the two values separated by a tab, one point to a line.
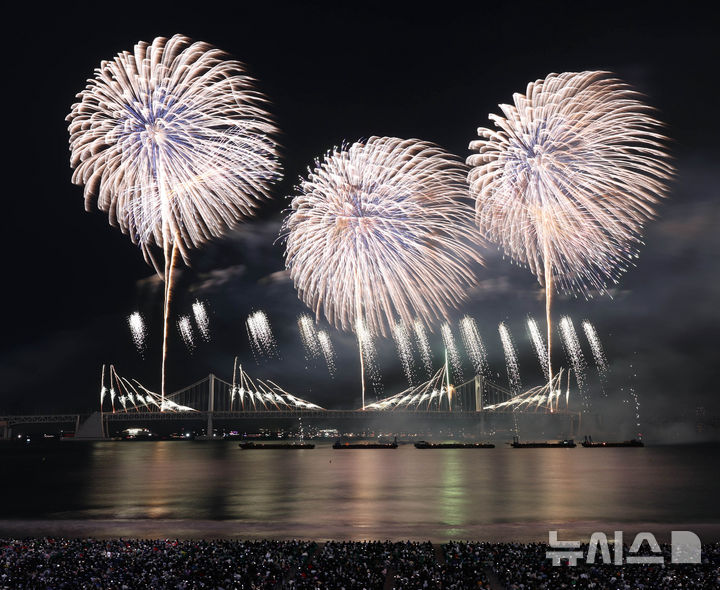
353	490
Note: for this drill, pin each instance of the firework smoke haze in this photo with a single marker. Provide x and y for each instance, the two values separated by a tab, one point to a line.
511	361
378	231
174	142
474	345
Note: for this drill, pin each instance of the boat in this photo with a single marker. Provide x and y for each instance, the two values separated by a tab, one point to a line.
365	445
247	446
567	443
589	444
423	444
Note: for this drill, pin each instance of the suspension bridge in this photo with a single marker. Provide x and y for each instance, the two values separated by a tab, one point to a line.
213	399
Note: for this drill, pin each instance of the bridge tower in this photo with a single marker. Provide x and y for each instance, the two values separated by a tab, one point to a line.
211	405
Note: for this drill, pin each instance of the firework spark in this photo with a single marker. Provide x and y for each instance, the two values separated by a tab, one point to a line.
186	331
378	232
309	337
573	351
511	361
568	181
401	335
328	351
173	141
137	329
423	345
597	349
201	319
260	334
474	345
452	350
368	356
539	346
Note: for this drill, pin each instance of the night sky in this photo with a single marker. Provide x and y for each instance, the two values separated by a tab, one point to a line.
337	74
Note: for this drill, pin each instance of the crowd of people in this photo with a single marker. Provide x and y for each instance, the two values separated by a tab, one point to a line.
128	564
345	566
524	566
370	565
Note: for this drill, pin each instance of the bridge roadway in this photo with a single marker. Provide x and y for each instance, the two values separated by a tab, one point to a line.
255	414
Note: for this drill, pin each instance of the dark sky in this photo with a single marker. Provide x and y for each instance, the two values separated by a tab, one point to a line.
335	74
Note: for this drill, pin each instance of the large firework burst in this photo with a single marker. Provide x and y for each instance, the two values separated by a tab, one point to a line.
379	232
174	143
569	178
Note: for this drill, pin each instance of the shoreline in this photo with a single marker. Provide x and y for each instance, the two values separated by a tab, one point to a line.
521	532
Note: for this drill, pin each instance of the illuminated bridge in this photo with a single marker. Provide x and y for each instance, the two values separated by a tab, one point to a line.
212	398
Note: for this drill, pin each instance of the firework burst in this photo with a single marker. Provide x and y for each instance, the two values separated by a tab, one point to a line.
328	351
474	345
423	344
378	232
138	331
260	334
401	335
309	337
452	351
596	348
539	346
201	319
574	352
568	180
186	331
511	361
173	142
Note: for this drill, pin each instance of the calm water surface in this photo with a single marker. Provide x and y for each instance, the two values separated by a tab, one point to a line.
429	493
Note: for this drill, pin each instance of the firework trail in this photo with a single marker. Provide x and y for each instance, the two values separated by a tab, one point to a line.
309	337
597	350
574	353
137	329
186	331
328	351
401	335
452	350
174	142
635	400
260	335
103	389
539	346
632	399
378	231
567	182
368	357
511	361
474	345
423	345
201	319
